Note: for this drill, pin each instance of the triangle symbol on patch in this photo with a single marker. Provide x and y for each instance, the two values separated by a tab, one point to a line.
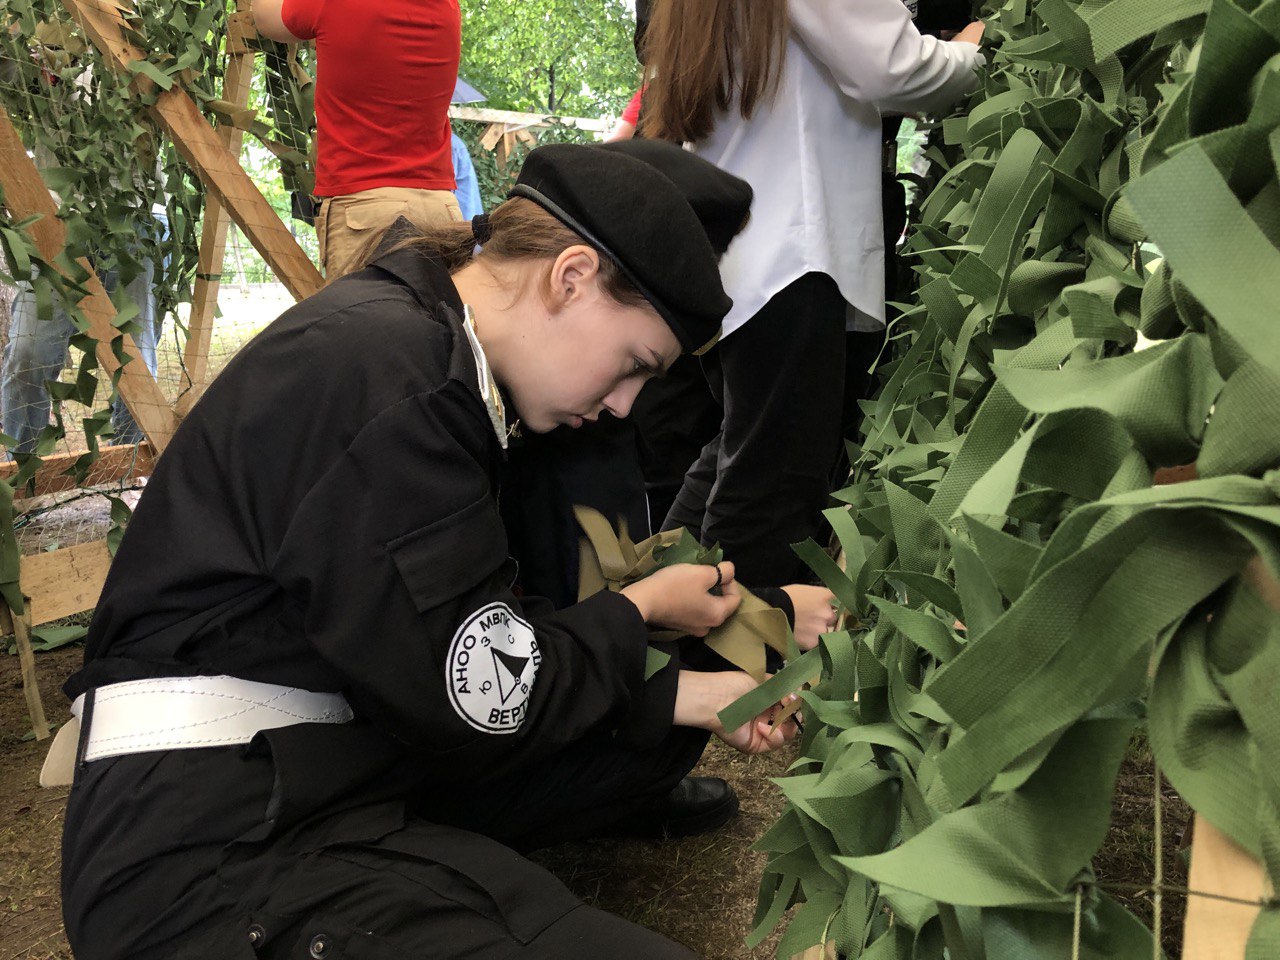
508	670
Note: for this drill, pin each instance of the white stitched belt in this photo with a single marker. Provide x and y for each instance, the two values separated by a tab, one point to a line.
179	713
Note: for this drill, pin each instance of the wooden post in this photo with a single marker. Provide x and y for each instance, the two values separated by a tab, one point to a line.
1219	929
219	169
818	952
513	119
54	585
21	627
213	238
26	194
506	147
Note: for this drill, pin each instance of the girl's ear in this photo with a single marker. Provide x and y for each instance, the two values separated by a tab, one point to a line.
571	274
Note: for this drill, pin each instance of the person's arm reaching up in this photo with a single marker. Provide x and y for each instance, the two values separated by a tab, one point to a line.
876	54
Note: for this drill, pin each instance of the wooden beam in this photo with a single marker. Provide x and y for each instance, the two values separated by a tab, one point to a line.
25	195
113	465
818	952
62	582
213	239
197	141
20	627
516	119
1219	929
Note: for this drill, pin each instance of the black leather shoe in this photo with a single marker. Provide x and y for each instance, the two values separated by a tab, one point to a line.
695	805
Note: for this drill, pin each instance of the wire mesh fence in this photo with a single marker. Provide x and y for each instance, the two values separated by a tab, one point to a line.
133	213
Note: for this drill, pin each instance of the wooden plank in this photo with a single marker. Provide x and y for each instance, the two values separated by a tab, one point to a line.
26	194
200	145
62	582
114	464
1218	929
517	119
213	239
20	627
818	953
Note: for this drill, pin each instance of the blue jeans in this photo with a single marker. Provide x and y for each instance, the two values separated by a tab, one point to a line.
37	351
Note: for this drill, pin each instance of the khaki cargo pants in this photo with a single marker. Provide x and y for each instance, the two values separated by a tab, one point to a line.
348	227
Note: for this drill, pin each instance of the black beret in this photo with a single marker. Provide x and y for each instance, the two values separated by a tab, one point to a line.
662	214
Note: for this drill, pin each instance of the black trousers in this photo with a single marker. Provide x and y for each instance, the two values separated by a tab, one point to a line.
761	483
450	884
173	855
546	475
675	416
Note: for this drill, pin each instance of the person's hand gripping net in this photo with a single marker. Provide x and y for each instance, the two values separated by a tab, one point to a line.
684	597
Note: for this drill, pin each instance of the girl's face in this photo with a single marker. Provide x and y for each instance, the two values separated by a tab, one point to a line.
580	352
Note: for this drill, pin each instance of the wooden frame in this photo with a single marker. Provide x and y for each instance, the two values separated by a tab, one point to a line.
115	464
508	128
26	195
1219	929
67	581
213	239
520	120
207	153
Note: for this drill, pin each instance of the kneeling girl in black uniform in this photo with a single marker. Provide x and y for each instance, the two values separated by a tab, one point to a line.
316	721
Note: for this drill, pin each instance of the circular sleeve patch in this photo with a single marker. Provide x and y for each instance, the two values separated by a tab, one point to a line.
492	662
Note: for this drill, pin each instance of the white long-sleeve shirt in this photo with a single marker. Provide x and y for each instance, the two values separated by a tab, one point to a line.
812	154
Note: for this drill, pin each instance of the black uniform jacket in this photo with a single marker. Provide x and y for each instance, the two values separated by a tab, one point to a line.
326	518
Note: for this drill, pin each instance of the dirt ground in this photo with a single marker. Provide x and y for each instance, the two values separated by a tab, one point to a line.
700	891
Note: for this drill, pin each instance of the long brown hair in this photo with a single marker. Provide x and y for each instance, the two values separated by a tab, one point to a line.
706	55
521	231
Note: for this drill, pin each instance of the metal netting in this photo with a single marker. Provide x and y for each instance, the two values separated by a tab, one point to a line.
133	211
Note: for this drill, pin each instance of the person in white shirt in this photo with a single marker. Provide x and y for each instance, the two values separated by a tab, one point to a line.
788	95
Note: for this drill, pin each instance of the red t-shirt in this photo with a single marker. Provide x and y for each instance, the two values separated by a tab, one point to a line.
384	77
631	114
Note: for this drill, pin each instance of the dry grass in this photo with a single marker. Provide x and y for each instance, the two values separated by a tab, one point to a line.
1127	856
700	891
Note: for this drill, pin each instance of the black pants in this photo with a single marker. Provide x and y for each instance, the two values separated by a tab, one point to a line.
675	416
450	885
581	792
595	466
761	483
428	892
168	855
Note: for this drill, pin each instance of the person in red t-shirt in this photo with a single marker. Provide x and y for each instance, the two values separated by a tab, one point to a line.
385	74
626	128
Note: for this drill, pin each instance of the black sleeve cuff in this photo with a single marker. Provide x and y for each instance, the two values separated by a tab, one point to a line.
777	597
652	710
653	701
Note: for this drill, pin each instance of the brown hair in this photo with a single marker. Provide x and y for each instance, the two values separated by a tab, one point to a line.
702	56
522	231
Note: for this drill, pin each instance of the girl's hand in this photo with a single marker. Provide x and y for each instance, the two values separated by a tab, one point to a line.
759	736
701	696
815	613
679	597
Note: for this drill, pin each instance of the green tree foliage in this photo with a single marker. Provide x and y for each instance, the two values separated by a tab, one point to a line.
570	57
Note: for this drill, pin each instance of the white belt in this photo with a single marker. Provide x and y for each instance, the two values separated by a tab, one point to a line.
179	713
